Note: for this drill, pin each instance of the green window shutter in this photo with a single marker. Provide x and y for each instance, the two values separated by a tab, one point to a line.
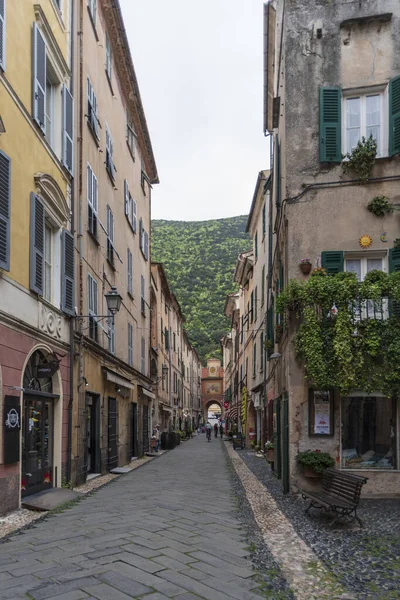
5	210
394	116
330	139
394	266
333	262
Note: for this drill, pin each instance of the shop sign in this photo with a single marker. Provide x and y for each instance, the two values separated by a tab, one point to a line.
226	405
49	367
11	429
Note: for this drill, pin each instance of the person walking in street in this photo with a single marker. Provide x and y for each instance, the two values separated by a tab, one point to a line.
208	431
221	430
215	430
157	436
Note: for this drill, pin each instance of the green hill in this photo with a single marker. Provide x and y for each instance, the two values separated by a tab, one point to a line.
199	258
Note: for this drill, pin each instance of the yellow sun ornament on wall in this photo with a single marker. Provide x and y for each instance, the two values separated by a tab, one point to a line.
365	241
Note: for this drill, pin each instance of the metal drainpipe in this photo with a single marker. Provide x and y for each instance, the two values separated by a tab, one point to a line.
72	320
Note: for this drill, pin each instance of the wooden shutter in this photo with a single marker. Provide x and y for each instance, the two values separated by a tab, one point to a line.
68	130
277	159
3	34
5	209
394	116
146	245
130	289
37	218
330	139
126	198
68	273
394	266
39	78
333	262
141	234
134	224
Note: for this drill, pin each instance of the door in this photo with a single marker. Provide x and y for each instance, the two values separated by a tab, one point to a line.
132	437
37	445
112	434
145	429
285	443
92	435
278	437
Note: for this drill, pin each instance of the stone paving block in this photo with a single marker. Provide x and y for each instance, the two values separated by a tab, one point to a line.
144	564
169	563
56	589
222	564
124	584
193	572
141	550
106	592
191	585
33	569
75	595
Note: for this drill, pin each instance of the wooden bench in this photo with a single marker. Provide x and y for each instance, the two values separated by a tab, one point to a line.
238	441
340	494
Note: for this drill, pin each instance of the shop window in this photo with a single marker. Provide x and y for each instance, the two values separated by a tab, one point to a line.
368	433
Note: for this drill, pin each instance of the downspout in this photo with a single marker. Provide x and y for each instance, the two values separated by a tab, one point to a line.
71	320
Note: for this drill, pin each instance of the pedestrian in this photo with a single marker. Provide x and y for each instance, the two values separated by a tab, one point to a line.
157	436
221	430
215	430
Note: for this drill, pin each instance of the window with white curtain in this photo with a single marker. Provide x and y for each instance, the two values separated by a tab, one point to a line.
364	115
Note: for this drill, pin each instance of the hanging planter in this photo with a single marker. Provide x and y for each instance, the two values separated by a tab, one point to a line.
314	463
305	266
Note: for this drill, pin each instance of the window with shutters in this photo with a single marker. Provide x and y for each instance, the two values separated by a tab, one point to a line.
361	264
262	285
108	59
92	112
130	273
264	220
110	167
5	210
110	236
365	115
261	351
130	344
143	356
92	308
143	240
255	303
130	207
92	197
254	360
3	5
130	136
111	332
142	296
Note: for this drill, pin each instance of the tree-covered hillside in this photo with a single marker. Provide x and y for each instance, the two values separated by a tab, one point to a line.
199	258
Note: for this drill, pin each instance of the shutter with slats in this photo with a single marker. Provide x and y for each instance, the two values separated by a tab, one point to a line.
146	245
3	34
5	209
330	125
134	224
37	218
67	272
277	159
394	116
333	262
68	130
39	78
141	234
394	266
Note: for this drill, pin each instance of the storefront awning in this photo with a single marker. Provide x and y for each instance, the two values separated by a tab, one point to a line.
118	379
232	413
167	409
147	393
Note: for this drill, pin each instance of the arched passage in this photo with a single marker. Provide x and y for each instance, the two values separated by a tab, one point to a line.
213	410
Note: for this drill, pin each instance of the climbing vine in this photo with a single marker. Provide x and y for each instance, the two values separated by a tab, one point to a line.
362	159
348	333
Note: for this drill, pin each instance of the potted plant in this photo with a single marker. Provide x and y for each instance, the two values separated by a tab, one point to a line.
305	266
269	451
314	462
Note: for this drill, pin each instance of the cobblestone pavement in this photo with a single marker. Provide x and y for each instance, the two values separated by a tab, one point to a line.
168	530
366	562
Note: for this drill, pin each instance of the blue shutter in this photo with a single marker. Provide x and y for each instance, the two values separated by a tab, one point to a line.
394	116
68	130
37	245
330	138
39	78
3	34
5	210
68	273
333	262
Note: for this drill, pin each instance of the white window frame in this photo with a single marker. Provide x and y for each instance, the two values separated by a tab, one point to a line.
363	257
381	91
92	116
93	199
48	261
108	58
110	155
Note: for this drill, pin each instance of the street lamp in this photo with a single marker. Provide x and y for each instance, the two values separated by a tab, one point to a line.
113	299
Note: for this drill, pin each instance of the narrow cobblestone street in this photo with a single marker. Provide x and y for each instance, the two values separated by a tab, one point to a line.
167	530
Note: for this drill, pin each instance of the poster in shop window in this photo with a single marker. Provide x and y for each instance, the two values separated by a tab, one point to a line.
322	413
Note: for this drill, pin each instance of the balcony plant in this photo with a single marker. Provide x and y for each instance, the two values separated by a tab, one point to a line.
362	159
269	448
305	266
314	462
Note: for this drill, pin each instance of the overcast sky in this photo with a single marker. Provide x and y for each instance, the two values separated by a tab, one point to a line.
200	72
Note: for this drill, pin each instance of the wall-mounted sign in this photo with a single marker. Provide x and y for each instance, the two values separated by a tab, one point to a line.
11	429
48	367
226	405
320	412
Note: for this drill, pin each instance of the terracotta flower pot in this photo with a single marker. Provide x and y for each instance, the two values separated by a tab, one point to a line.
270	455
309	472
305	268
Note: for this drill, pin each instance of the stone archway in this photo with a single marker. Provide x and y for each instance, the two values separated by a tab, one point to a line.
217	410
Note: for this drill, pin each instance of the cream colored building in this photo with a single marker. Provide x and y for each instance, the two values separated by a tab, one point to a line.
115	170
